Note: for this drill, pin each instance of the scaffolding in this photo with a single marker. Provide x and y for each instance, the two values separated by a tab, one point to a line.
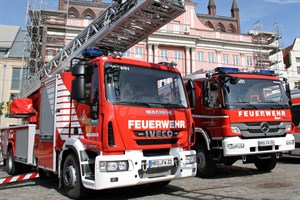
267	46
46	33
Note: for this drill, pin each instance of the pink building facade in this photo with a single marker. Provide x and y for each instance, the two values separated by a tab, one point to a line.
196	42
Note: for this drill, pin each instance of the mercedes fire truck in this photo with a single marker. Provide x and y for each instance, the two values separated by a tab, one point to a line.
240	116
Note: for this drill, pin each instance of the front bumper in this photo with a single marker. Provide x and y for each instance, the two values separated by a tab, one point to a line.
235	146
139	171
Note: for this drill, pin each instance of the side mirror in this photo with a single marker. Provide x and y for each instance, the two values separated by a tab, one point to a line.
191	93
78	84
234	80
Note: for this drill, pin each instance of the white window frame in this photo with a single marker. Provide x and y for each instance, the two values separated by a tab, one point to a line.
235	59
211	57
164	54
249	61
225	58
200	56
138	52
177	55
126	54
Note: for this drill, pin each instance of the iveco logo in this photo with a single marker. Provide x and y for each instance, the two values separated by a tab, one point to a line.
264	127
168	133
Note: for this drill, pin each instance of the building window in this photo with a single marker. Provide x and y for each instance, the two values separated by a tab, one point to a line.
88	16
298	69
235	59
249	61
177	55
164	54
16	79
50	52
225	59
13	95
72	14
200	56
126	54
164	28
176	28
211	58
298	59
297	84
138	52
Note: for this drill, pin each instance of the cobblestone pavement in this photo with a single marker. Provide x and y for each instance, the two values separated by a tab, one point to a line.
235	182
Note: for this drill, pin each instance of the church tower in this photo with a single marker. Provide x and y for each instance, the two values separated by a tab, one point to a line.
235	14
211	8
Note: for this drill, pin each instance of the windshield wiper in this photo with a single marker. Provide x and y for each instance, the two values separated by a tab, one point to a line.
245	103
281	106
172	105
134	103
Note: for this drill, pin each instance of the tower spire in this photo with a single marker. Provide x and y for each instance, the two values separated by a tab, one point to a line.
235	14
211	7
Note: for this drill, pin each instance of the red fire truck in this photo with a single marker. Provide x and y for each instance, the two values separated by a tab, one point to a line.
295	109
240	116
105	121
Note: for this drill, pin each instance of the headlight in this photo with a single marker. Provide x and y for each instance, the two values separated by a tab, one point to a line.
288	127
235	129
236	146
190	159
113	166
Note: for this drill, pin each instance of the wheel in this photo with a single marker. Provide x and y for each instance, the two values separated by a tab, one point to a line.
72	178
206	167
266	164
12	167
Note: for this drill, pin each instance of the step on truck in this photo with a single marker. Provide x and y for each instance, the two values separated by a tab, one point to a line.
240	116
98	121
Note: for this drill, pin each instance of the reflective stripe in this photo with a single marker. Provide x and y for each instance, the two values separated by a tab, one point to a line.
21	177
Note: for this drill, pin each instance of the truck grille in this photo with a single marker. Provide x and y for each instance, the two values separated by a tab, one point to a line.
254	129
157	142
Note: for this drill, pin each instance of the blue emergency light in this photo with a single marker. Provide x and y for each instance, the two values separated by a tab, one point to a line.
227	69
92	53
266	72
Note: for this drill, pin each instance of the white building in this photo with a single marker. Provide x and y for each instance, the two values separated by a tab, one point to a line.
11	62
292	63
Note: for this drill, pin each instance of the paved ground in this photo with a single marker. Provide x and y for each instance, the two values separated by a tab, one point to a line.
235	182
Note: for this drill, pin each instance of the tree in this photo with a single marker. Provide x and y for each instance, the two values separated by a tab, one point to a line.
1	108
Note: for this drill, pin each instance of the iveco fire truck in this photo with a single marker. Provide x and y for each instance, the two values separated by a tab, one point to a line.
240	115
99	121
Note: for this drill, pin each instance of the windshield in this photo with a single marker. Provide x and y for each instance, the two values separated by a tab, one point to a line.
255	92
141	86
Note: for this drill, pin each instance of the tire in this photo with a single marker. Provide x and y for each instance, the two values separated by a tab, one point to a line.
72	178
12	167
266	165
206	167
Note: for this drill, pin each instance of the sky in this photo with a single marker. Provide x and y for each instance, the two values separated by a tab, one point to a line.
266	14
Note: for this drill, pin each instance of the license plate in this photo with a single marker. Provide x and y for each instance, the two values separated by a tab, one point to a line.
160	163
266	143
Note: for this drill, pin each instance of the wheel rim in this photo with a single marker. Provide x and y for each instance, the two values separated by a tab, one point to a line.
10	162
70	176
201	160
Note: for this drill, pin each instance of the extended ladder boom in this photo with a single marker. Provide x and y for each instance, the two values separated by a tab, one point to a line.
119	27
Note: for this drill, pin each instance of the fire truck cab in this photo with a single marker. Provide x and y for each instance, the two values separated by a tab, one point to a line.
240	115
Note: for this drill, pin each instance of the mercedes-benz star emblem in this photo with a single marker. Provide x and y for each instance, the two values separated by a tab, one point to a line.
264	127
